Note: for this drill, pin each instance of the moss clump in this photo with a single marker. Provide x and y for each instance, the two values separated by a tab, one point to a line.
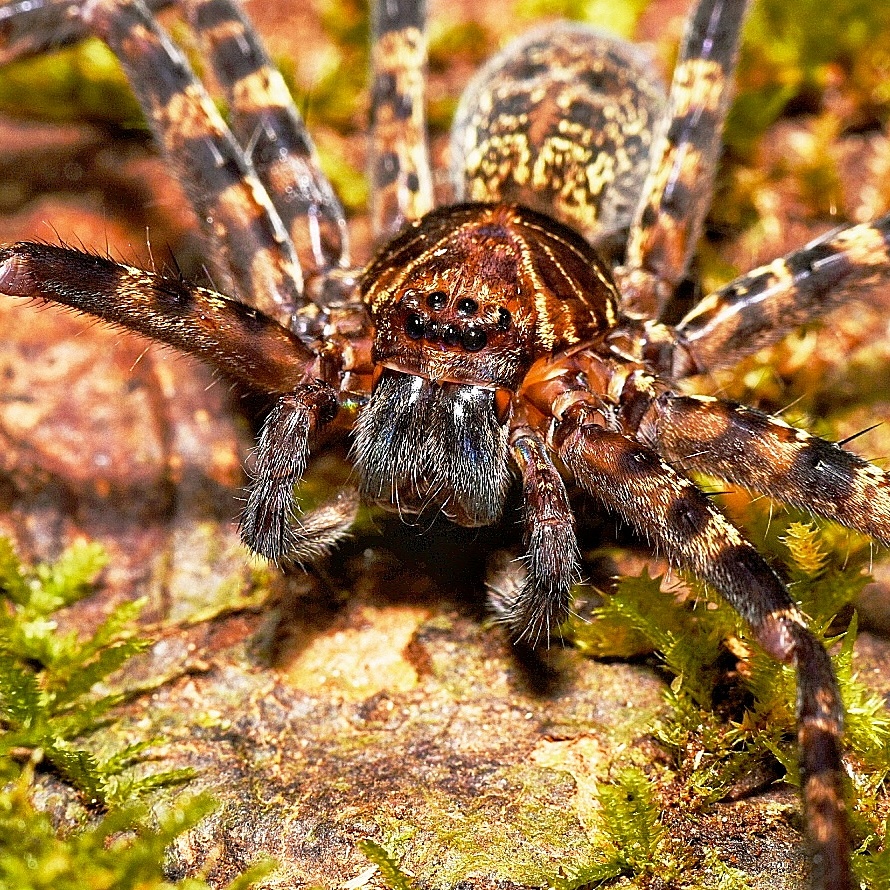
732	706
47	700
125	849
635	841
49	707
79	83
393	877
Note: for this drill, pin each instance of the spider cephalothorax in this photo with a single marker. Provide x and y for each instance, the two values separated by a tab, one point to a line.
487	340
464	301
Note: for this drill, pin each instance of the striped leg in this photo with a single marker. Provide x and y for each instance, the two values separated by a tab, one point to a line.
666	507
236	339
759	308
764	454
677	192
32	27
401	182
264	118
252	255
233	338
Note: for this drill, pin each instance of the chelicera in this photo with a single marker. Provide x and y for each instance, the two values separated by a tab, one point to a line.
488	340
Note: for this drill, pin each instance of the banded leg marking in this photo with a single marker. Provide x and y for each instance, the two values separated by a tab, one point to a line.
762	453
31	27
677	192
233	338
265	118
258	259
759	308
401	181
632	480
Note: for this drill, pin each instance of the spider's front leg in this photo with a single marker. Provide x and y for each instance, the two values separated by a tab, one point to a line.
552	560
235	339
668	509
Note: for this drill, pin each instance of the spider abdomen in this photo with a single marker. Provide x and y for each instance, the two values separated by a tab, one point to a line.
561	120
474	293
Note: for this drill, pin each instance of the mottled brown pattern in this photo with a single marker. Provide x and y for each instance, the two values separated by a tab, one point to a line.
677	192
259	263
486	338
399	164
264	117
563	121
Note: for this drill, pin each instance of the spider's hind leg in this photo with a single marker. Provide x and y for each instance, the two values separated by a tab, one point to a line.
677	191
266	122
401	180
668	509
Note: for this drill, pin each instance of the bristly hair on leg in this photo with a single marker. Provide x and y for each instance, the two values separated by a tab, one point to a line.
552	560
268	521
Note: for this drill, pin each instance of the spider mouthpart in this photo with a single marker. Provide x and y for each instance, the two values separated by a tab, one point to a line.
421	446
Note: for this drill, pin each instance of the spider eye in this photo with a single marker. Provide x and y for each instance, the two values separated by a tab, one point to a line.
414	326
437	300
467	306
503	319
474	339
451	336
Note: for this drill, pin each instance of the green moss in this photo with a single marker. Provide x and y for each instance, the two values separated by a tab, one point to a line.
47	678
797	50
719	737
393	877
618	18
49	706
124	850
84	82
634	840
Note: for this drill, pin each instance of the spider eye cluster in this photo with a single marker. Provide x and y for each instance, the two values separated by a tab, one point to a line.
435	322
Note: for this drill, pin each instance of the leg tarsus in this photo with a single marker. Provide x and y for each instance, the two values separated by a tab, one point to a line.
819	730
